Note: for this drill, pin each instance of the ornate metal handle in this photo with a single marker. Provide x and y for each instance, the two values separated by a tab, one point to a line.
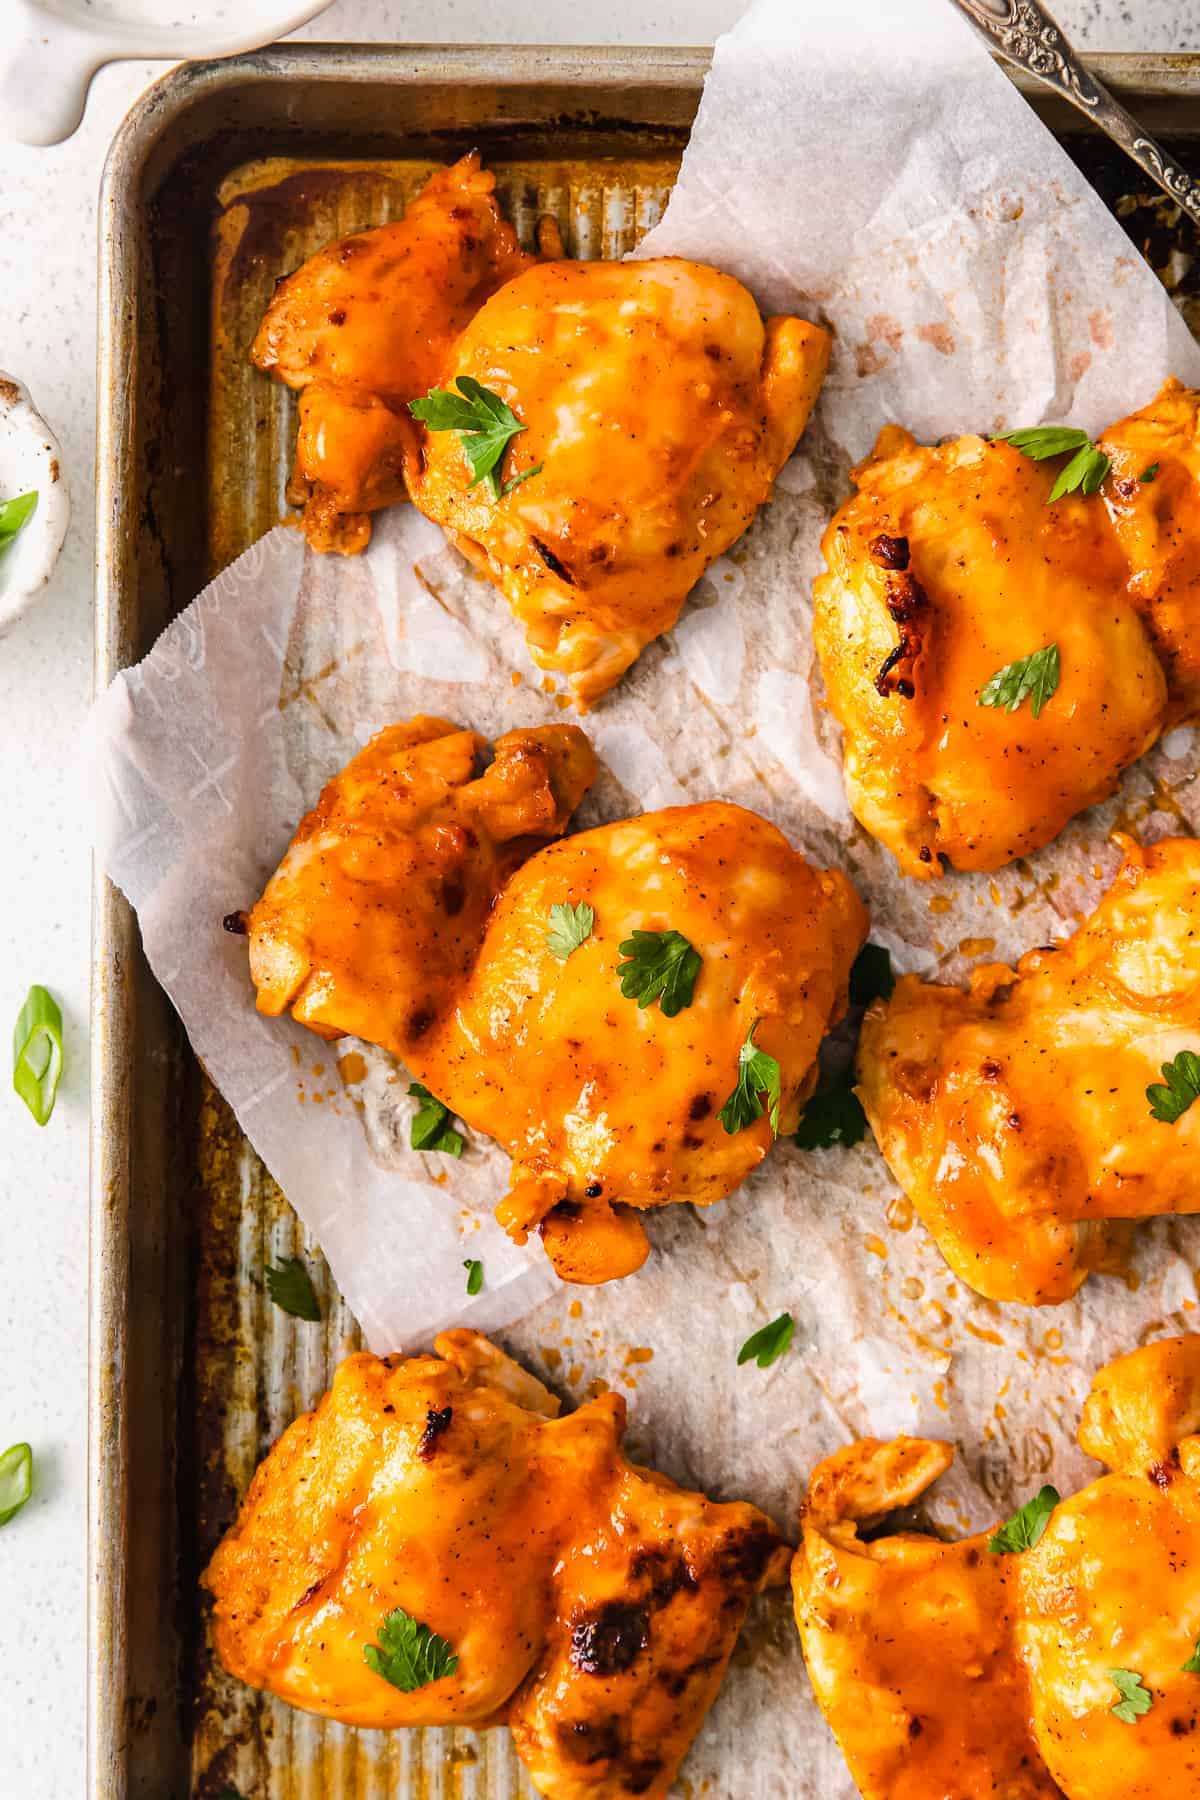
1025	33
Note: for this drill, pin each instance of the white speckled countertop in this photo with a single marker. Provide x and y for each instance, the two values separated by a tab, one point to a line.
47	337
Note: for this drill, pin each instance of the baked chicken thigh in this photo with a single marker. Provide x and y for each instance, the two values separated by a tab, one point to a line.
373	920
1153	499
433	1545
949	569
649	406
362	328
655	409
980	1668
1016	1114
633	1013
909	1641
607	1106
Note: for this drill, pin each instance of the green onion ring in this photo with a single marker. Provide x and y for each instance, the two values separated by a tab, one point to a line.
16	1480
38	1052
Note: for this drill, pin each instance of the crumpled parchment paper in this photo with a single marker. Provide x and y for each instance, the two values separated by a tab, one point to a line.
872	167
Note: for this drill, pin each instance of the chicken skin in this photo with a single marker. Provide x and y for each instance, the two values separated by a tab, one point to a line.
1153	499
945	567
400	914
981	1669
603	1104
363	327
1015	1114
589	1604
909	1640
373	919
657	409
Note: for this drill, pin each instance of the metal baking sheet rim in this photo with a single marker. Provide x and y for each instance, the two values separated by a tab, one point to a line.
118	969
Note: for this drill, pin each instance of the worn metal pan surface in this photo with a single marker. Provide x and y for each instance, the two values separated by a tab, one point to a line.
222	178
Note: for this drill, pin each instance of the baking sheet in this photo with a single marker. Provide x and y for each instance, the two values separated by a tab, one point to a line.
926	1354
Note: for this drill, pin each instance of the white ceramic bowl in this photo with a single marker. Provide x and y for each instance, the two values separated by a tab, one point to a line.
50	49
30	462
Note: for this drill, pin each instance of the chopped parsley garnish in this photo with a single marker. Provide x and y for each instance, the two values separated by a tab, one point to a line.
1192	1665
1025	1528
662	966
290	1287
1169	1099
871	976
474	1270
758	1074
431	1128
1149	472
570	926
408	1654
1034	678
834	1115
768	1345
1084	472
1134	1701
486	426
16	1480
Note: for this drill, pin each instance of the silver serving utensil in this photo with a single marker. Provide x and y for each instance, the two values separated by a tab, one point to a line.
1026	35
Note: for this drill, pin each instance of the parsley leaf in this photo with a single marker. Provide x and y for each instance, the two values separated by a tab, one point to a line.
431	1128
1025	1528
1134	1701
758	1074
660	963
769	1344
1149	472
1192	1665
408	1654
484	423
474	1270
1032	677
834	1115
16	1480
1087	467
871	976
1182	1087
1085	472
1041	441
570	926
15	514
290	1287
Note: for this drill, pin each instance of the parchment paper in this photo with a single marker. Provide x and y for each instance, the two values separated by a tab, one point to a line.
868	165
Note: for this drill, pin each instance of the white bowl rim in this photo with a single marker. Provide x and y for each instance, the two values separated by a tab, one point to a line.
30	560
112	37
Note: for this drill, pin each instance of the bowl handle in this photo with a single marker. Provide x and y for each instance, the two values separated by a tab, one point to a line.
44	78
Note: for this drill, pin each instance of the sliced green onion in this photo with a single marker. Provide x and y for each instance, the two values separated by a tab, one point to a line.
38	1052
16	1480
15	514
